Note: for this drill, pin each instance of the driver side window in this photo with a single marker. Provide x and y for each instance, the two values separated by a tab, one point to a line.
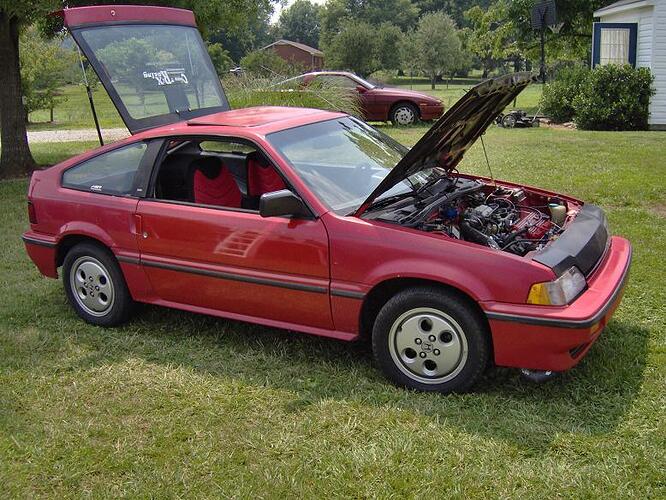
219	173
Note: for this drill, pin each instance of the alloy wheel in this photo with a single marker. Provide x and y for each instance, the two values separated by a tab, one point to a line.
91	286
428	345
404	115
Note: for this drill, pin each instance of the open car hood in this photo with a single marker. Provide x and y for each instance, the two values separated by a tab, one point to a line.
151	61
454	133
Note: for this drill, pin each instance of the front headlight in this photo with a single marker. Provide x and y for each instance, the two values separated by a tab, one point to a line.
559	292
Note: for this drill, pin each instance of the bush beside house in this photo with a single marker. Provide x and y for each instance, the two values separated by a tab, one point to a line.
615	98
608	97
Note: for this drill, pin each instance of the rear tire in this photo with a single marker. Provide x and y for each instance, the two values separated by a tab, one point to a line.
404	114
431	340
95	286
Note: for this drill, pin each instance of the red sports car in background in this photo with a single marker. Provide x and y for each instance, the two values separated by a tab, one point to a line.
316	222
380	104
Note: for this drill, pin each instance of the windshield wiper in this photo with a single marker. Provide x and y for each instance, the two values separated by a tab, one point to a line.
383	202
432	182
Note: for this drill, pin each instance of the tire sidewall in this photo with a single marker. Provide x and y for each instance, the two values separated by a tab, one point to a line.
122	303
473	328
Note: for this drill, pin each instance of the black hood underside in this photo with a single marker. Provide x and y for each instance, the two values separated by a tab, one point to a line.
444	145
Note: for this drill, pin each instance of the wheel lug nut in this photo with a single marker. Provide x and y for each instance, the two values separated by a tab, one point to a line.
432	338
436	352
418	341
422	354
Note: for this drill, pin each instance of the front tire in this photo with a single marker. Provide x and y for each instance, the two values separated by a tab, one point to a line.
431	340
95	286
404	114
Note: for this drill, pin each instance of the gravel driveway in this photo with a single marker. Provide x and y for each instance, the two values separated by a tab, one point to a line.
109	135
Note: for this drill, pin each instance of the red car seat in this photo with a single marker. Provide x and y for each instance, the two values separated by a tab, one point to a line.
213	184
261	176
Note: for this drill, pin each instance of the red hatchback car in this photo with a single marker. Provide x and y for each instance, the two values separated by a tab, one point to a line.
380	104
316	222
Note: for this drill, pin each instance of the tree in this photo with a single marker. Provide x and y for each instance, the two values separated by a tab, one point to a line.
220	58
335	15
454	8
16	158
44	69
265	63
300	23
364	49
388	38
574	38
438	45
491	37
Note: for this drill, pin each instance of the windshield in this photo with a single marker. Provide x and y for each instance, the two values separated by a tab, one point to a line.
365	83
343	160
153	71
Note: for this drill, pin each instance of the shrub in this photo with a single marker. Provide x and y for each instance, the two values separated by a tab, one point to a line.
614	98
558	96
246	91
220	58
267	64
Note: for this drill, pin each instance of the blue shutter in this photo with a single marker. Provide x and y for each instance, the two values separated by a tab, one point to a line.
596	40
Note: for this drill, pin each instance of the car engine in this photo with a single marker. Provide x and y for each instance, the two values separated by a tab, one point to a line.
504	218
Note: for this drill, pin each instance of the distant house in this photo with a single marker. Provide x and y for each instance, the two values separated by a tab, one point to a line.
309	57
634	32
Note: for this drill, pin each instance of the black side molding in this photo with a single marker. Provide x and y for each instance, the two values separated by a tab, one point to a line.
35	241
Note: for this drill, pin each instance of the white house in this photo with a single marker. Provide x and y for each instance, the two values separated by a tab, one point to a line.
634	32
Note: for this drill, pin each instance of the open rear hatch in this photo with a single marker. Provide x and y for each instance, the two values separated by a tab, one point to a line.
151	61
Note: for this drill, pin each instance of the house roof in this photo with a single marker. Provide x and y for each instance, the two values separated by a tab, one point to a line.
301	46
621	6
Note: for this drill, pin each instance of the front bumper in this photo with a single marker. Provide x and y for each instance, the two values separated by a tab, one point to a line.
431	111
557	338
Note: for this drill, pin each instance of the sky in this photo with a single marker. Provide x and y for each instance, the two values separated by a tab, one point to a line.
286	3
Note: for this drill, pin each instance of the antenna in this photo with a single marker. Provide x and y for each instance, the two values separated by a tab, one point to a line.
90	98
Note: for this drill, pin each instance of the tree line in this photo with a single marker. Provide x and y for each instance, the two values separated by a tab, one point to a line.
427	37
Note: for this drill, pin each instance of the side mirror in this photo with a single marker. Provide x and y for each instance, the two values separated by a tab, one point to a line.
282	203
361	89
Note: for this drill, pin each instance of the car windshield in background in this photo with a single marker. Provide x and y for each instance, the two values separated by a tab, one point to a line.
154	69
365	83
342	160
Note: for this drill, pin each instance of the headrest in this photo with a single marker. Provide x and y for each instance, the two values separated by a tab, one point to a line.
259	158
208	165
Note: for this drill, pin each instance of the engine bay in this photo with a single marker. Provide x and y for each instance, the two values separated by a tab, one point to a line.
506	218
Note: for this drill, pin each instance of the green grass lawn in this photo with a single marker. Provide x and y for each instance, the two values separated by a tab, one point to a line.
528	100
74	112
176	404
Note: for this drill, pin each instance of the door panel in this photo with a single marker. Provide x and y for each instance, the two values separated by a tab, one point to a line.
237	261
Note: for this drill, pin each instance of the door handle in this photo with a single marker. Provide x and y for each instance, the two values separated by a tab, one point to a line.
138	226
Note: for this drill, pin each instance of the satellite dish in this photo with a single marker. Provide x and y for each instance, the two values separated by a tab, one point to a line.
544	13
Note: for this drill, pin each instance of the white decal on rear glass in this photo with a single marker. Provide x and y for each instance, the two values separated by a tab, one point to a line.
167	76
96	187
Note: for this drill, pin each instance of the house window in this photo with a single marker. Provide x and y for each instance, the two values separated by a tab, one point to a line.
614	43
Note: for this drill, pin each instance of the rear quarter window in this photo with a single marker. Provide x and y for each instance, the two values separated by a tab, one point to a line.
109	173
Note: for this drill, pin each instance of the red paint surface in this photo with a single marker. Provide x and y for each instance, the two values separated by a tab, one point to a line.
376	103
330	254
124	14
